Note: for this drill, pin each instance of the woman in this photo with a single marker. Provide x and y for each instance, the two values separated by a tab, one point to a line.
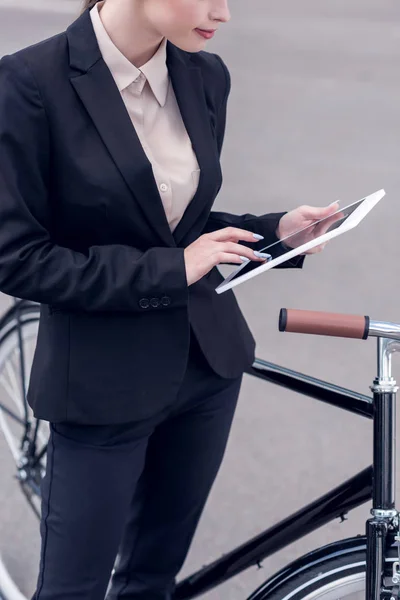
110	139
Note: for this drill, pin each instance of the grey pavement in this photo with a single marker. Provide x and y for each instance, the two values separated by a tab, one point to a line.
314	116
48	6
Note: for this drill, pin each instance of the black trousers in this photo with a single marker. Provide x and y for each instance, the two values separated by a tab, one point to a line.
135	490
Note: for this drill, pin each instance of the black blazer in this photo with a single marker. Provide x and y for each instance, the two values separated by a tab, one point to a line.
83	232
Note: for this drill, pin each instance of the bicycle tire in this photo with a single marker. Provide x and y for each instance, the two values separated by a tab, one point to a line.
27	314
338	578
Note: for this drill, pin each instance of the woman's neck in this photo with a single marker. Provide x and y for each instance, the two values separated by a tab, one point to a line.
126	25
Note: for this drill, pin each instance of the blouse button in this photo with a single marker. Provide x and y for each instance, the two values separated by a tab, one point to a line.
163	187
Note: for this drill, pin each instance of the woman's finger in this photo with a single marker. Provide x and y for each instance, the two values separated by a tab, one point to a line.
321	228
317	249
314	212
226	257
234	234
233	248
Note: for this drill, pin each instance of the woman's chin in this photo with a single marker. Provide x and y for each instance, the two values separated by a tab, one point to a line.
192	43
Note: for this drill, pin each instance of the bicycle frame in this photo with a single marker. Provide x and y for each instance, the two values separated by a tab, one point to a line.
380	530
335	504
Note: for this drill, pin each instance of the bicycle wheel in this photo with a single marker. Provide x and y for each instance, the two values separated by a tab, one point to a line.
20	476
339	578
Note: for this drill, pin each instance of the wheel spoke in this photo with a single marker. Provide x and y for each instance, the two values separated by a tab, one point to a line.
20	500
10	391
9	437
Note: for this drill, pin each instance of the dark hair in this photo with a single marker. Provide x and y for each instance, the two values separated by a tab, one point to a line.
89	3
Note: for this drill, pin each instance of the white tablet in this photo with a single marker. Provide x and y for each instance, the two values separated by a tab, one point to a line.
347	218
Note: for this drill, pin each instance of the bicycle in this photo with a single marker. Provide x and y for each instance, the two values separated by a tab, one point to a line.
365	567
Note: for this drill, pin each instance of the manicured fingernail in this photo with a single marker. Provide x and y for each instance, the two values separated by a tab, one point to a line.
261	254
258	237
336	202
243	258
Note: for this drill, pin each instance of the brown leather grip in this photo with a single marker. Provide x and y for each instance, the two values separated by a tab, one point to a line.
323	323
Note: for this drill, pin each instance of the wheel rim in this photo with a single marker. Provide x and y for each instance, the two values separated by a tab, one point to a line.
19	530
351	587
339	585
11	395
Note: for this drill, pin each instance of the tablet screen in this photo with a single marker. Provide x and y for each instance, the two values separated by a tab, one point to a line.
294	240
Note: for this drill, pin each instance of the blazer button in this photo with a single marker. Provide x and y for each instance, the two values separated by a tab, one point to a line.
155	302
165	301
144	303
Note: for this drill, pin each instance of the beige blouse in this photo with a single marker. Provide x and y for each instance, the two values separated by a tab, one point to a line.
151	103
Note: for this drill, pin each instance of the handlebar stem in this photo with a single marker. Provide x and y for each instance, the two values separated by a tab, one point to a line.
384	382
384	330
384	388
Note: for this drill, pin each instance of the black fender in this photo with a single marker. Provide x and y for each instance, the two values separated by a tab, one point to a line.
312	559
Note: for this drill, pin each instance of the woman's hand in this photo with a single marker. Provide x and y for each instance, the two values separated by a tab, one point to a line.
218	247
302	217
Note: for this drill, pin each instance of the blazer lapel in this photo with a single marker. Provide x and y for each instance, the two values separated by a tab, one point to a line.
96	88
187	82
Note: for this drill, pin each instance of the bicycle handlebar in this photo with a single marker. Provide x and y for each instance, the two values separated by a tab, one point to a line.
323	323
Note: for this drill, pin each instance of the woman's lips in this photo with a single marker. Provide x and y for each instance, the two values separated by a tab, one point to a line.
206	33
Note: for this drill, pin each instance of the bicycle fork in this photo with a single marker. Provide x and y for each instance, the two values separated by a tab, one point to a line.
384	524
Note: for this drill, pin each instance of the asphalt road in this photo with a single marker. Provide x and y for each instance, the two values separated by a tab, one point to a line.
314	116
